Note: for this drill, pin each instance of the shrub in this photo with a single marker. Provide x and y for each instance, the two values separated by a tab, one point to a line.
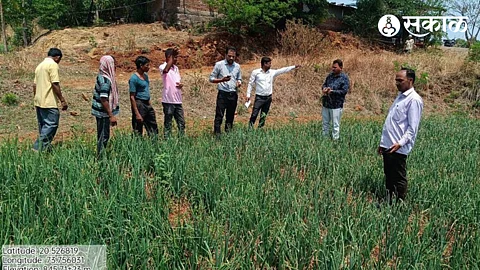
422	78
10	99
462	43
301	39
474	52
258	16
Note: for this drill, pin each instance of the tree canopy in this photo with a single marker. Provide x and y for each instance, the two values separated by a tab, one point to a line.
255	16
364	21
54	14
470	9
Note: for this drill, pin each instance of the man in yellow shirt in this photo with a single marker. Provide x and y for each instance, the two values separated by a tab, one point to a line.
47	98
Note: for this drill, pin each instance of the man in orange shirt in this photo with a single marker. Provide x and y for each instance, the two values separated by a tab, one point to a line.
47	98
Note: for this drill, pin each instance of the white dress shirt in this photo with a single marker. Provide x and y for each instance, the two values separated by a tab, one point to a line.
403	119
264	80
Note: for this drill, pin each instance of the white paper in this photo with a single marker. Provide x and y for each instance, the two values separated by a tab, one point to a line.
247	104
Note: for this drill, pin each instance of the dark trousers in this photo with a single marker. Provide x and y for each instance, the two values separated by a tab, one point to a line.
149	119
171	111
103	133
395	169
262	106
48	120
225	101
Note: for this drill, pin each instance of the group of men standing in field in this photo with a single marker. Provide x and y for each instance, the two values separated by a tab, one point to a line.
398	134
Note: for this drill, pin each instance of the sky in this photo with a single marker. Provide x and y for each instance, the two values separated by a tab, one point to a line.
450	34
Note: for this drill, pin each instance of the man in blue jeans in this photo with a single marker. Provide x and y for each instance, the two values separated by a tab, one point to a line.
47	98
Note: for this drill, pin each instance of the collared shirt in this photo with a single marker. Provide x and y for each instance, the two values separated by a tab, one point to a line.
140	87
223	69
403	119
339	85
103	89
264	80
46	74
171	93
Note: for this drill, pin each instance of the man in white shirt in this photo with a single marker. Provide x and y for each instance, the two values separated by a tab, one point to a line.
263	79
409	43
399	134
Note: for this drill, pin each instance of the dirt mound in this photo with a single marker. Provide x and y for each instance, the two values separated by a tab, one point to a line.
126	41
194	53
343	41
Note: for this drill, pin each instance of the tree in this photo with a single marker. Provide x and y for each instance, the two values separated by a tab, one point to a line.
4	35
257	15
365	19
55	14
19	15
470	9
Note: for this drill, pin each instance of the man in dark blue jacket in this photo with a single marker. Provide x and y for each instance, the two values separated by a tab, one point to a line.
334	90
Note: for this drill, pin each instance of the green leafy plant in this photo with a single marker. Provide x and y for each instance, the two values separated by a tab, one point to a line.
474	52
282	198
10	99
462	43
93	43
422	78
256	16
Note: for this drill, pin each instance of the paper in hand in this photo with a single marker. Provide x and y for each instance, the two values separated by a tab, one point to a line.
247	104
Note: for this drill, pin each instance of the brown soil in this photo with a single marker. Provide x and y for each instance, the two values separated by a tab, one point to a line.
295	99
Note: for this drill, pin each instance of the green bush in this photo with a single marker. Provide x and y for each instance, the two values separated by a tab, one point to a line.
257	16
2	48
462	43
474	52
10	99
422	78
18	35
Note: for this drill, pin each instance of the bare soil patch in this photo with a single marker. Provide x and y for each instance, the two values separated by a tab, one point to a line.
296	94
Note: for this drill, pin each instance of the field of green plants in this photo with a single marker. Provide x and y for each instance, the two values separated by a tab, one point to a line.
279	198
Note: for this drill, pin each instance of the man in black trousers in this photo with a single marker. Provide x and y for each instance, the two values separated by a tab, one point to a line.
262	79
228	77
399	134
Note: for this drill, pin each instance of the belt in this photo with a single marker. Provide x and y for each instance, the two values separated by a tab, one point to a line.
232	93
142	100
269	96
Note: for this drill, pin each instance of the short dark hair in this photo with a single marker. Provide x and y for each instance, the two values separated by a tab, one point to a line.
339	62
169	52
410	73
53	52
265	59
230	48
141	61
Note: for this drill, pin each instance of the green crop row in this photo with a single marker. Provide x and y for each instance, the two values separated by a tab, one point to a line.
283	198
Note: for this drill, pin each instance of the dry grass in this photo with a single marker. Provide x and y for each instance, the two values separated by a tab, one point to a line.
296	94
